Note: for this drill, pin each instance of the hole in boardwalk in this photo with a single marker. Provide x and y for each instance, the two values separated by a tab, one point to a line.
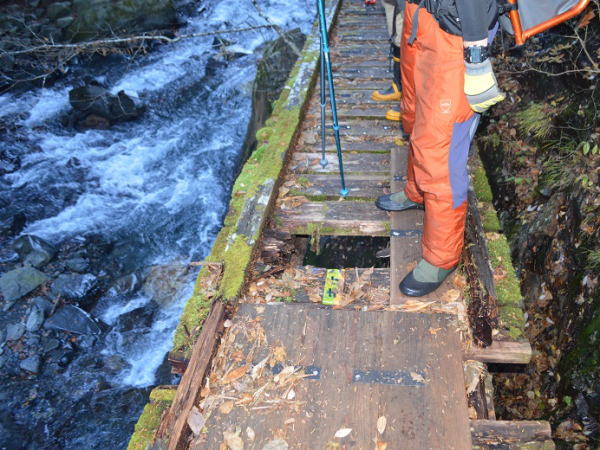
339	252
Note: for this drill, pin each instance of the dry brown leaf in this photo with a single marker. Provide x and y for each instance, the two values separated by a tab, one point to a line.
226	407
433	331
417	377
279	354
380	445
381	423
235	374
250	433
233	440
415	306
586	19
343	432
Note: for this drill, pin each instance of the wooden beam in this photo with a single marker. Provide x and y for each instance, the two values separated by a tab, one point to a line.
498	432
501	352
174	425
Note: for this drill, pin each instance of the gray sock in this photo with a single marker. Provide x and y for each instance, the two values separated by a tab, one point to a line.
428	273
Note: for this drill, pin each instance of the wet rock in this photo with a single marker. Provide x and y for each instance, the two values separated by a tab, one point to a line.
125	286
19	282
31	364
114	364
34	250
15	331
97	101
50	344
44	305
139	318
72	319
35	319
77	264
94	122
74	287
164	284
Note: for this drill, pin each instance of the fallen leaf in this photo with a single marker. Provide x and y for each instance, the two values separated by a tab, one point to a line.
235	374
233	440
291	395
433	331
343	432
195	421
279	354
380	445
417	377
289	421
276	444
226	407
250	433
381	423
586	19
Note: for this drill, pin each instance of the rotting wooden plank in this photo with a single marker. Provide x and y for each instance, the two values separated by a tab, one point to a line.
366	112
501	352
345	218
419	390
358	128
357	163
328	186
174	425
382	145
397	247
498	432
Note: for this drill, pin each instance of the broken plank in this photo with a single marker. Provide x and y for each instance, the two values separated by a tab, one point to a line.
397	247
499	432
501	352
174	425
345	218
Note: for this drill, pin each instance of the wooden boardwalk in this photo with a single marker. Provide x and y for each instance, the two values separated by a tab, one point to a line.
374	369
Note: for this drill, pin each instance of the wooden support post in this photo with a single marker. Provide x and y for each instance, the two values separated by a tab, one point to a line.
501	352
174	424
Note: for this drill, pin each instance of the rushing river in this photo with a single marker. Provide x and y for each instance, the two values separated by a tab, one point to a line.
147	193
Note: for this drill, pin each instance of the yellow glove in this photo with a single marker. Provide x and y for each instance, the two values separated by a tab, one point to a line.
481	87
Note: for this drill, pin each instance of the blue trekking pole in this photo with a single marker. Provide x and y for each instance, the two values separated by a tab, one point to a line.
322	81
327	65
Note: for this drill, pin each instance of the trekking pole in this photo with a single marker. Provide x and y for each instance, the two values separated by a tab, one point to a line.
322	81
327	63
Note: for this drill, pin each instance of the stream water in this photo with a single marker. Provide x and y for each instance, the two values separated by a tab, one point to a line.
147	193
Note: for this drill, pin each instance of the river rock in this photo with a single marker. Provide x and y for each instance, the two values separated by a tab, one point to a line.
19	282
95	100
77	264
125	286
42	304
164	284
15	331
74	286
31	364
34	250
35	319
72	319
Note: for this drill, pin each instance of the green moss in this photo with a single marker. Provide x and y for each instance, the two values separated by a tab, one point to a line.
162	395
304	182
236	260
143	433
482	188
490	220
510	301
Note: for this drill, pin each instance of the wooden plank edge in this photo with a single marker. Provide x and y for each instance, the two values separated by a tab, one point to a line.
507	432
173	426
501	352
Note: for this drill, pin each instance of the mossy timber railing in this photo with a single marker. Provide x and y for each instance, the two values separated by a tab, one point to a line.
164	420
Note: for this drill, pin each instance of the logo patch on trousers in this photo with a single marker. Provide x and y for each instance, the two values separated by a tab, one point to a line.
445	105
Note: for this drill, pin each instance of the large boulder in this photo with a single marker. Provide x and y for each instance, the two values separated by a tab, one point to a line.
72	319
33	250
19	282
95	101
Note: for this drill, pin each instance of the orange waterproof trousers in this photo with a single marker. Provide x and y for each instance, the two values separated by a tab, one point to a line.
437	116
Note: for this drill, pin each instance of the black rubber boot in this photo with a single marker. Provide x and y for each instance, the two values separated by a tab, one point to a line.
412	287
